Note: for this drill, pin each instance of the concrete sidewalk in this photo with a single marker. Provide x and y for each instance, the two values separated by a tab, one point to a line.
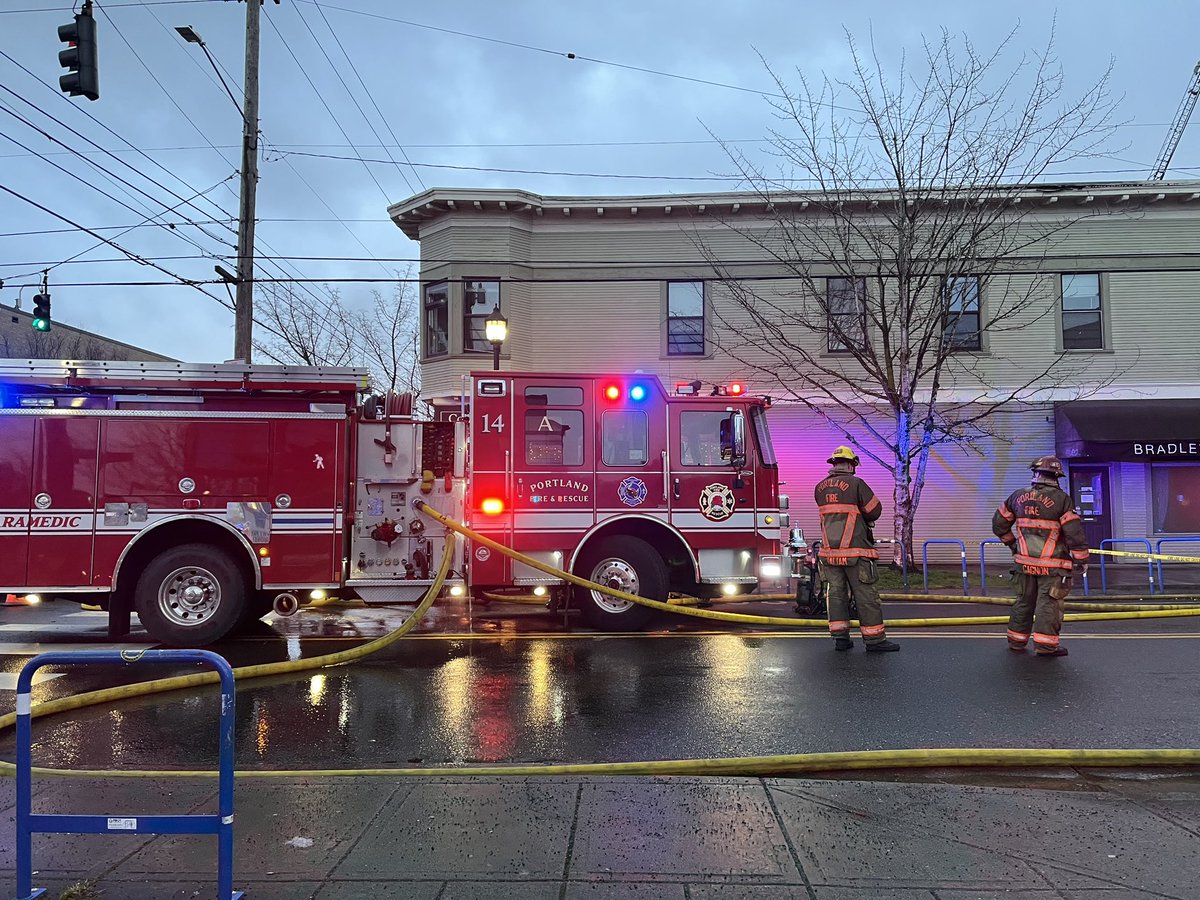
1055	834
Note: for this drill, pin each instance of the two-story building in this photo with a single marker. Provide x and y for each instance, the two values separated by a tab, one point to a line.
623	284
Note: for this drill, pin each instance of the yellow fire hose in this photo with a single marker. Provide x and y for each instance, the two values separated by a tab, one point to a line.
244	673
785	764
788	622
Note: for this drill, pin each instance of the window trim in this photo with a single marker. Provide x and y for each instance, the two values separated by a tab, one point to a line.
1101	311
947	313
861	283
425	306
668	318
468	317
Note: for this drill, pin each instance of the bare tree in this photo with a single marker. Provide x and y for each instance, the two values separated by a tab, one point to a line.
321	330
304	328
389	340
924	199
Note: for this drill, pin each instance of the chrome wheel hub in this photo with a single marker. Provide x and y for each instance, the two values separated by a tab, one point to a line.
189	596
619	575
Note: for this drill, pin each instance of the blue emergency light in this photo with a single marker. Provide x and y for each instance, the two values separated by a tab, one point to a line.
637	392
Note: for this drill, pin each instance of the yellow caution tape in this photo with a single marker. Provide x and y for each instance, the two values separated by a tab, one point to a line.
1168	557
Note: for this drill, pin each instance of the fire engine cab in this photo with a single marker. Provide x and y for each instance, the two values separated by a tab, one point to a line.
201	496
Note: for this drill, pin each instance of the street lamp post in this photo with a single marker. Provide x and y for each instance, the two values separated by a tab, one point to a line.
243	314
496	331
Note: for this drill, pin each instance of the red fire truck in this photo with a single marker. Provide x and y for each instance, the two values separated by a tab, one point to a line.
201	496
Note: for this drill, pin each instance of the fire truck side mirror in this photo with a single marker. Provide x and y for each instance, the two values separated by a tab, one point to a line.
733	439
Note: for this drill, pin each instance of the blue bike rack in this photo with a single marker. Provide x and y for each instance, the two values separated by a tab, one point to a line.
1162	585
220	824
983	563
1149	562
962	550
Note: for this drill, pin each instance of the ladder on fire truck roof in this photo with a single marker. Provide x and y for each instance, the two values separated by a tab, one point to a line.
235	375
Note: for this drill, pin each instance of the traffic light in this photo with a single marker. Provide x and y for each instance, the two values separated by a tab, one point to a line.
80	56
41	312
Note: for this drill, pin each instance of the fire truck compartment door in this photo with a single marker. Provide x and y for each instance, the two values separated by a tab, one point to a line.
16	478
62	502
709	495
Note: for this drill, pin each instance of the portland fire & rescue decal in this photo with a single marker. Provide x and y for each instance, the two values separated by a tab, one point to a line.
716	502
632	491
559	490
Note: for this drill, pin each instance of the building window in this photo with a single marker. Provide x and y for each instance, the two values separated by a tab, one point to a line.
961	327
437	319
845	299
625	434
480	300
685	318
1176	490
553	437
1081	325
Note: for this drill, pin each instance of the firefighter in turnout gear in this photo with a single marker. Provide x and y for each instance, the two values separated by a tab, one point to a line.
1045	534
848	508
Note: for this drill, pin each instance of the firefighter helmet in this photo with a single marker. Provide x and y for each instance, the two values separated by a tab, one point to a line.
1048	465
843	454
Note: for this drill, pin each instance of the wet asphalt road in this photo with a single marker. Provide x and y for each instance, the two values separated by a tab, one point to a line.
511	684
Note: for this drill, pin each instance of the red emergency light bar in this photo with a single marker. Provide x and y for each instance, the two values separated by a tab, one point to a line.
692	389
492	506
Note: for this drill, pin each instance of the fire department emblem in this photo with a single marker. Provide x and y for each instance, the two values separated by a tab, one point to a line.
632	491
716	502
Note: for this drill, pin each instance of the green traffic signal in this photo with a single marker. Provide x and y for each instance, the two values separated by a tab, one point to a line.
41	312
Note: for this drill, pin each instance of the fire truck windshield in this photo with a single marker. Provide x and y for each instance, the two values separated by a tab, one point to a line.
762	435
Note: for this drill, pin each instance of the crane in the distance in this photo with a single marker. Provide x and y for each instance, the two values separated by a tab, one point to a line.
1186	105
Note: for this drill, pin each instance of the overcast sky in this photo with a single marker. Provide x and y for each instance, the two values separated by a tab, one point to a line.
475	84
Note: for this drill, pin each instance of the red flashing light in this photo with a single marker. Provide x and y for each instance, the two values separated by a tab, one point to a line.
492	506
736	389
612	392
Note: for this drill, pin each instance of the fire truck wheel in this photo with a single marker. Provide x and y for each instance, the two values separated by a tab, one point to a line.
628	564
191	595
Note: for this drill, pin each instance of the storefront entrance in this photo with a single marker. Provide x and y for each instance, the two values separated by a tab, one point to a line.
1089	491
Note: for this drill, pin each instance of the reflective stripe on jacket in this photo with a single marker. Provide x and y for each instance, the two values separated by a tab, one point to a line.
847	506
1041	527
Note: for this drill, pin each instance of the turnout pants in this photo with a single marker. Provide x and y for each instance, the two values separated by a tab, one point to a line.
857	580
1036	613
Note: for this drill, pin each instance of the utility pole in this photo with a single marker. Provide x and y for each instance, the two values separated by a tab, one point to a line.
243	317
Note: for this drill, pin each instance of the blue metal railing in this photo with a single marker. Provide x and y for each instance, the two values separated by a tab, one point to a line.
1162	584
220	824
962	551
1107	542
983	563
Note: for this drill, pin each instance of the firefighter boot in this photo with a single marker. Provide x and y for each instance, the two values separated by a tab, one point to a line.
884	646
1058	650
842	642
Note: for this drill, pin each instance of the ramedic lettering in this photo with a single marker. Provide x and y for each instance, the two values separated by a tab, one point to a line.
1169	448
41	522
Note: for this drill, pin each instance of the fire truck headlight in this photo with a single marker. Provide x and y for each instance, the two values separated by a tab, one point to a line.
33	599
637	392
492	506
771	567
539	591
729	589
316	595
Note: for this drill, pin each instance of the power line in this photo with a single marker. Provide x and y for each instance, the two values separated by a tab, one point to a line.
619	175
170	228
71	9
321	97
631	279
350	93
